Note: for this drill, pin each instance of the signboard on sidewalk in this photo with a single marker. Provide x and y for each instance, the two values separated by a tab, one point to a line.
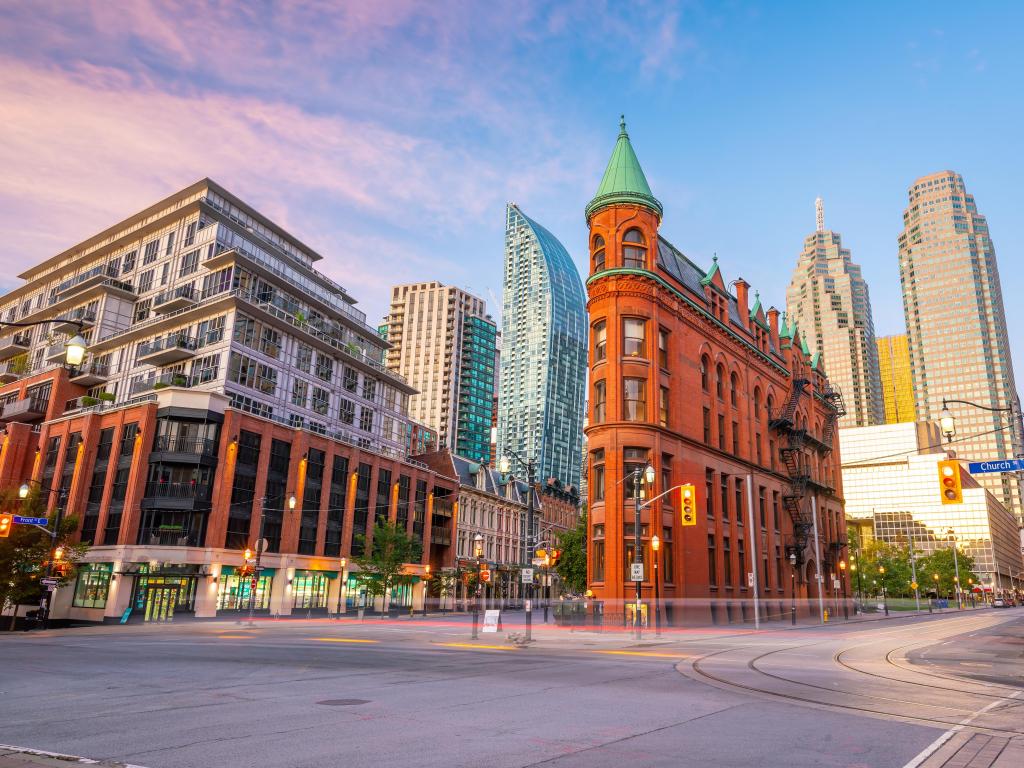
491	621
997	465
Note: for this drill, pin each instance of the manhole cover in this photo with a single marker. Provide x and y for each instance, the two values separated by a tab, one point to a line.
343	702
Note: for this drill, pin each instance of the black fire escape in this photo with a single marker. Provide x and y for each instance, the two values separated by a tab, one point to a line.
796	441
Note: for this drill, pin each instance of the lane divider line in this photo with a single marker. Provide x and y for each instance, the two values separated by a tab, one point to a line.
342	640
935	745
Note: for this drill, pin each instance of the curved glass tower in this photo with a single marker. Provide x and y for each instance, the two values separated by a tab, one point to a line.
544	352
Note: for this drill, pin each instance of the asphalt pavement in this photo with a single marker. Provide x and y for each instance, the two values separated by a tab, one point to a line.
306	694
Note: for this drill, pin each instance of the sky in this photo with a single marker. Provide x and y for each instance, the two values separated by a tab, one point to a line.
388	136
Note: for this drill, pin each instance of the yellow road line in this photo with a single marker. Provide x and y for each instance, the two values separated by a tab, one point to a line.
644	653
233	637
478	647
342	640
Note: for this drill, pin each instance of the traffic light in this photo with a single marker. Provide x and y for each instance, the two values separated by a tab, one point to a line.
949	482
555	554
541	554
6	521
688	504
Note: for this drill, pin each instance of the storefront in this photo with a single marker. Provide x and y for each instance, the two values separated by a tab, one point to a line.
234	590
310	588
357	595
92	585
161	592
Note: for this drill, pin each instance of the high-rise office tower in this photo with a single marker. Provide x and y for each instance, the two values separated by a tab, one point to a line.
443	343
897	380
956	325
544	352
828	299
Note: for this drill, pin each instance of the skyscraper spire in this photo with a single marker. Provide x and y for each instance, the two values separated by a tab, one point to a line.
819	213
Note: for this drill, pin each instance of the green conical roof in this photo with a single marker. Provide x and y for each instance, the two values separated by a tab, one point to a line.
804	348
624	180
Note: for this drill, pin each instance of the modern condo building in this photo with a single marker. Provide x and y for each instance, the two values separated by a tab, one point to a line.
443	343
231	392
544	352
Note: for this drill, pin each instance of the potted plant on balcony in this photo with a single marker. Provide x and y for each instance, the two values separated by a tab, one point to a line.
160	385
18	365
178	380
106	397
88	401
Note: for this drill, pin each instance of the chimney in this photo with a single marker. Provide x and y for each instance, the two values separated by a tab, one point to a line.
742	290
773	325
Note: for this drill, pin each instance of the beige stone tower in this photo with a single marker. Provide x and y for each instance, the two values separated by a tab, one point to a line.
828	299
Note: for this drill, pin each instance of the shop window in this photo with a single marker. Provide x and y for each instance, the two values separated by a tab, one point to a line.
92	587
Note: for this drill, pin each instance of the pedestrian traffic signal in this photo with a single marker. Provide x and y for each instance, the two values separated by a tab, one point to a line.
688	504
949	482
6	521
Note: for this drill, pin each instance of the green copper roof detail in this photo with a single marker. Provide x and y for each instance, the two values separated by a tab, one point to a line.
784	332
815	359
624	180
804	348
706	280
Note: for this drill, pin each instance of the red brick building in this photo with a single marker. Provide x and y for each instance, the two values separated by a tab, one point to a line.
689	376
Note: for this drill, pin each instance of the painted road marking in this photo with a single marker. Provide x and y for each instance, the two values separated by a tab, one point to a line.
645	653
476	647
233	637
342	640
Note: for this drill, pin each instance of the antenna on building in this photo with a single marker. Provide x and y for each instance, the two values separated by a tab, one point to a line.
819	213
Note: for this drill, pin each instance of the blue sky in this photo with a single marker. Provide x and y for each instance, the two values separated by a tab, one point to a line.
389	135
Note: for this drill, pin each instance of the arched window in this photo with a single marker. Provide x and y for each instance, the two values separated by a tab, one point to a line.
757	403
598	253
720	381
734	387
634	252
705	373
771	406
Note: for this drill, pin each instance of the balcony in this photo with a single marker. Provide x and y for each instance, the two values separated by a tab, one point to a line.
175	299
102	275
189	450
177	496
162	381
80	315
90	374
13	345
170	349
26	411
168	536
441	536
56	353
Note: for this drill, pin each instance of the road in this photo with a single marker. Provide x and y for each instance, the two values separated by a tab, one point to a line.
304	694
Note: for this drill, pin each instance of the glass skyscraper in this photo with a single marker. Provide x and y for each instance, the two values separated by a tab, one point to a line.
956	325
544	352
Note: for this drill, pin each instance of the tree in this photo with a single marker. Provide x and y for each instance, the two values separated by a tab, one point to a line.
940	562
572	565
381	570
444	583
24	554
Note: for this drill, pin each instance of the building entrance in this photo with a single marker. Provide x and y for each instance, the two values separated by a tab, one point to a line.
160	603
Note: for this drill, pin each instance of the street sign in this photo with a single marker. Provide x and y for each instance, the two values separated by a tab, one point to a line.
527	576
835	584
539	561
48	582
750	578
31	520
913	585
998	465
636	572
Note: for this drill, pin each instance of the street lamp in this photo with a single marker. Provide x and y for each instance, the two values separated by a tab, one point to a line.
341	587
792	582
645	473
656	545
885	599
56	552
426	582
74	349
478	553
956	569
946	423
505	465
842	578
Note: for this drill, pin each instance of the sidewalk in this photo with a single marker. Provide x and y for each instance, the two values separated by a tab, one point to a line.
20	757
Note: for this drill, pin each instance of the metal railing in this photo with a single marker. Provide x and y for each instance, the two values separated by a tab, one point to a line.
177	444
197	491
174	341
181	292
167	537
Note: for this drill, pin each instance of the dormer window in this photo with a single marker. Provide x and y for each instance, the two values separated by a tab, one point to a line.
634	252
